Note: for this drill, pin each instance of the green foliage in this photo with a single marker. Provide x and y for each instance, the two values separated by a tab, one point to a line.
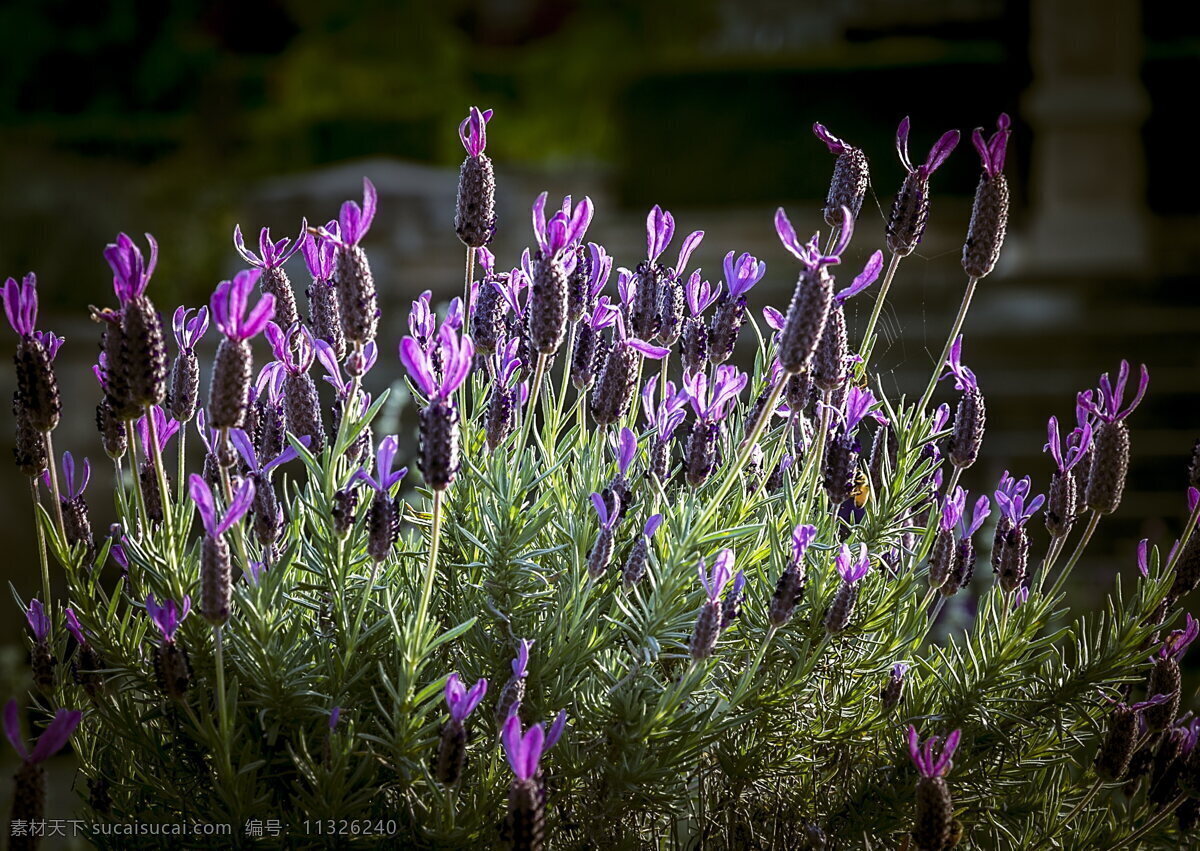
780	732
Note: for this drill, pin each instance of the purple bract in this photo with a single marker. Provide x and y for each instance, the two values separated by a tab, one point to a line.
472	132
937	154
229	306
923	758
131	273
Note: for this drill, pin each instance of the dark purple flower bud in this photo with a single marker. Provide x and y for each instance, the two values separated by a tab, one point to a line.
989	213
37	396
271	258
168	616
708	622
1116	749
345	502
850	179
324	313
185	386
910	210
935	808
487	317
358	302
547	303
383	526
731	606
617	383
841	465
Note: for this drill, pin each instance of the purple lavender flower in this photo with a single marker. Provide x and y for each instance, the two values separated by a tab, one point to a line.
708	622
229	305
550	267
76	524
1062	502
910	210
510	697
168	616
507	395
383	518
295	350
36	402
710	404
475	214
893	689
452	744
851	570
809	309
358	303
929	766
526	797
669	320
1165	678
664	417
935	807
989	213
740	276
131	272
229	392
74	627
215	560
438	451
792	582
386	477
38	620
644	285
1010	548
971	414
608	510
185	375
831	361
694	347
268	516
639	553
1110	443
164	429
270	259
850	179
618	380
324	314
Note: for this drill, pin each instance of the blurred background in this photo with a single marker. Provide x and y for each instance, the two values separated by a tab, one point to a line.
185	118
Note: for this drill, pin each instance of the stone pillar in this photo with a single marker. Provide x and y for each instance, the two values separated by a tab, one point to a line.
1086	106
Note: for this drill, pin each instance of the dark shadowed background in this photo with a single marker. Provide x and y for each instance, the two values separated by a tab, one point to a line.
185	118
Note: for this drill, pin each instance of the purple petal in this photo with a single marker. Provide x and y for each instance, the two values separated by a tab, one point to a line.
258	318
625	448
685	251
539	220
55	737
385	457
652	525
202	495
581	219
510	737
902	143
948	750
245	448
835	145
940	151
914	747
520	665
472	698
649	350
787	235
12	728
774	318
1143	557
601	508
37	619
531	751
74	627
802	536
242	499
865	278
413	356
556	730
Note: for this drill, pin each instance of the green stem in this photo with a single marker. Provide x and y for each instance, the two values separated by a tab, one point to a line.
868	342
41	539
181	475
435	535
139	497
941	361
222	709
156	455
362	606
1188	530
752	668
1079	548
562	385
58	517
531	407
812	464
739	464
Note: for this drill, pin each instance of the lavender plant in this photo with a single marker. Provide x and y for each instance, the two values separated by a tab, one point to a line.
565	508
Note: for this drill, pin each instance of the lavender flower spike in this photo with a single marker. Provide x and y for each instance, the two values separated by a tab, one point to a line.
740	276
1110	446
475	212
38	620
910	210
526	801
850	179
841	609
272	255
971	415
639	554
1062	502
218	524
452	743
989	212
